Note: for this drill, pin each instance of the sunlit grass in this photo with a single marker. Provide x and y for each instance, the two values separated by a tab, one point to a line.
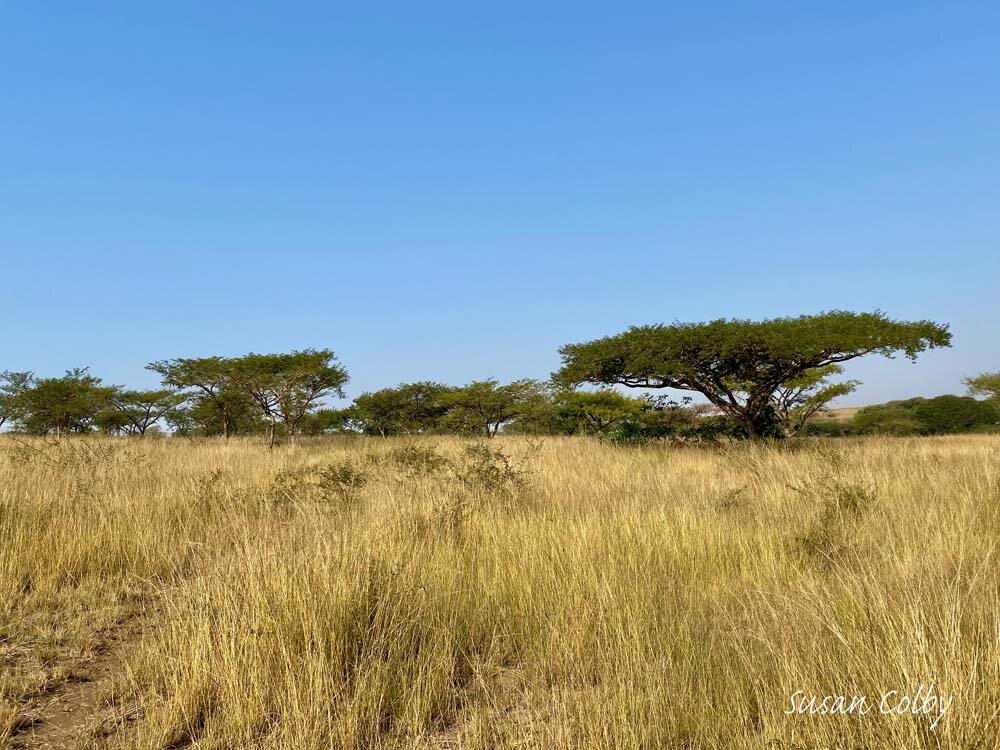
361	593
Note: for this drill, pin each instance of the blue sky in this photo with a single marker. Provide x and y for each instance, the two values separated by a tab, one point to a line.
450	191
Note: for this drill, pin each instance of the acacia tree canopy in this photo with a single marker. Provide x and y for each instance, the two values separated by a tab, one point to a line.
205	382
739	364
282	387
13	386
406	409
987	384
230	411
66	404
287	386
486	406
797	400
597	411
140	410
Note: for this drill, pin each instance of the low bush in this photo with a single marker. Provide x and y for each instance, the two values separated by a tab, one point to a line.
490	470
418	460
942	415
341	480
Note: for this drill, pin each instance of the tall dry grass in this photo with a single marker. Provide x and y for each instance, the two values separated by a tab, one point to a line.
391	593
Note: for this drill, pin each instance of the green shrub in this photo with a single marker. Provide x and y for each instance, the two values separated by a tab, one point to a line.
946	414
830	428
291	486
829	534
926	416
886	420
712	429
418	460
489	469
341	480
626	433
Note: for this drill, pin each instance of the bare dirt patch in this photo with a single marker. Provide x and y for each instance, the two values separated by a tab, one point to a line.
78	713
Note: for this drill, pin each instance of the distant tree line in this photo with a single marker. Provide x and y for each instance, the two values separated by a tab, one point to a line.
256	393
942	415
760	378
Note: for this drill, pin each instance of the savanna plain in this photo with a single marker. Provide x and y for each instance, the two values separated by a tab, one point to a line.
346	592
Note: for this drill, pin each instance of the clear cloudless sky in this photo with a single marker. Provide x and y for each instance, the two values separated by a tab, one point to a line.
450	191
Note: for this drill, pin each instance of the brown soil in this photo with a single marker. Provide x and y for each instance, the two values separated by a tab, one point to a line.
73	714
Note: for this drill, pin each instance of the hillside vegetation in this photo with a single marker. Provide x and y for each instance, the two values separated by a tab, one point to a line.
446	593
942	415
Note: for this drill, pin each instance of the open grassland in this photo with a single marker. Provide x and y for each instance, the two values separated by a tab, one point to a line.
839	414
364	593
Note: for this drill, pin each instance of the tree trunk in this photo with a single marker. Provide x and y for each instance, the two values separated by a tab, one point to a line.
270	435
761	422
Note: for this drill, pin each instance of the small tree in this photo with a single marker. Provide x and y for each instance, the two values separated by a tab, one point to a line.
738	365
205	380
406	409
140	410
668	417
112	421
287	386
595	412
230	412
66	404
12	388
326	421
486	406
986	384
798	400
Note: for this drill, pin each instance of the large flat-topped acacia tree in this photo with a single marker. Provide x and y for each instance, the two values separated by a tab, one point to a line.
739	364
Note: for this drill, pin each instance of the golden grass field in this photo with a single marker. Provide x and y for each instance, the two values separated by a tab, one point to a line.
218	595
837	414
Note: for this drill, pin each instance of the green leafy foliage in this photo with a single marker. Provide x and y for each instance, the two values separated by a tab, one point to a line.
12	388
626	433
71	403
228	412
921	416
135	412
283	388
761	378
597	412
950	414
215	405
485	406
886	420
489	470
408	409
738	365
799	399
341	480
287	386
986	384
418	460
325	422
